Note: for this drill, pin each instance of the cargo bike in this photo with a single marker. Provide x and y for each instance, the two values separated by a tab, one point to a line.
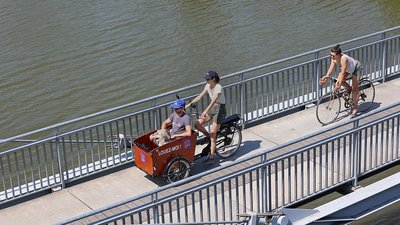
174	160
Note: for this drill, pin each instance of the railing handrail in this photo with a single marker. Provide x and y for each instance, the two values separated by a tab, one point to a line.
184	88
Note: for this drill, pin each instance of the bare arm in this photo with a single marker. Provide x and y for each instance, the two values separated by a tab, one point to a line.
187	133
211	104
196	99
165	124
342	75
328	73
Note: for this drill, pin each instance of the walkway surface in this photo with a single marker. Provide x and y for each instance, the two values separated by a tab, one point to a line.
100	192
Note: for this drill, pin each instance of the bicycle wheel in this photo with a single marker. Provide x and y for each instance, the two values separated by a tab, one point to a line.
229	139
367	95
177	169
328	108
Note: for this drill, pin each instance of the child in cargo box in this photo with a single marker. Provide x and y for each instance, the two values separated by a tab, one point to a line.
180	122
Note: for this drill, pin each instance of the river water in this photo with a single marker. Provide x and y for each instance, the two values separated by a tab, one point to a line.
60	60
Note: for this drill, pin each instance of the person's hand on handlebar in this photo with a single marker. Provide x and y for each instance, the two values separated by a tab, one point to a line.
190	105
187	106
323	80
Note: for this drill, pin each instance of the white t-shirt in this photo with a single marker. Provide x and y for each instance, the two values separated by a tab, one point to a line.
351	64
213	93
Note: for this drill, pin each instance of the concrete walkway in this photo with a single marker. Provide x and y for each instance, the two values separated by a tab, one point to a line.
100	192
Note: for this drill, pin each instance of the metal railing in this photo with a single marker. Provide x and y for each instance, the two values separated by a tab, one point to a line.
59	154
277	177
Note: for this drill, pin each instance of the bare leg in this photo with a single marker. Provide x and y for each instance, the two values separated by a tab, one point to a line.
356	93
347	86
213	137
342	79
199	125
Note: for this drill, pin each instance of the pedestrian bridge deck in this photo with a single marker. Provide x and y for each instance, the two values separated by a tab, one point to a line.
100	192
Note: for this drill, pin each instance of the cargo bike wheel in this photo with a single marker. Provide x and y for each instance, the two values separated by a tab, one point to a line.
177	169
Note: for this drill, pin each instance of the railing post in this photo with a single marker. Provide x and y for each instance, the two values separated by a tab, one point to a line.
383	51
356	152
241	100
317	74
154	199
264	180
57	141
154	104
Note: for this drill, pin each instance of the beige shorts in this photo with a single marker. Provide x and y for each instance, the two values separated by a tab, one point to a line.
218	113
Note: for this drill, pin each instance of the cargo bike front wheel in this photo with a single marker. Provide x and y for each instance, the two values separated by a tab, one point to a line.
177	169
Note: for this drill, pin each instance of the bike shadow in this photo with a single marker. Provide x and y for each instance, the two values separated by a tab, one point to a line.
342	115
245	148
375	105
347	112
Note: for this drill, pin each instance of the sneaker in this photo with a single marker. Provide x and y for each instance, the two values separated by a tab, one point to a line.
209	161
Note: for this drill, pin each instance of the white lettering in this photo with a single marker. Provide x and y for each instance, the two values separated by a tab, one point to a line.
168	150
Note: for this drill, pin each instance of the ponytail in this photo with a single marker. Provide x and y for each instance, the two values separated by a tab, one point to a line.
337	49
216	77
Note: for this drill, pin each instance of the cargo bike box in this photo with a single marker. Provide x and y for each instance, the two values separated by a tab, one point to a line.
172	160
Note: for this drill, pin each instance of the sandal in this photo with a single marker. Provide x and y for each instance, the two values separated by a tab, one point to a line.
354	113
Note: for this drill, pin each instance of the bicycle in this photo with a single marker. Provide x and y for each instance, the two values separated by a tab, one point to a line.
329	105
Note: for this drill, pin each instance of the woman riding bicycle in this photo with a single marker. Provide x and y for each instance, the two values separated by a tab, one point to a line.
215	111
347	66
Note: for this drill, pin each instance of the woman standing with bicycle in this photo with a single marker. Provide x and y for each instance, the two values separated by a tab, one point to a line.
348	66
214	112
